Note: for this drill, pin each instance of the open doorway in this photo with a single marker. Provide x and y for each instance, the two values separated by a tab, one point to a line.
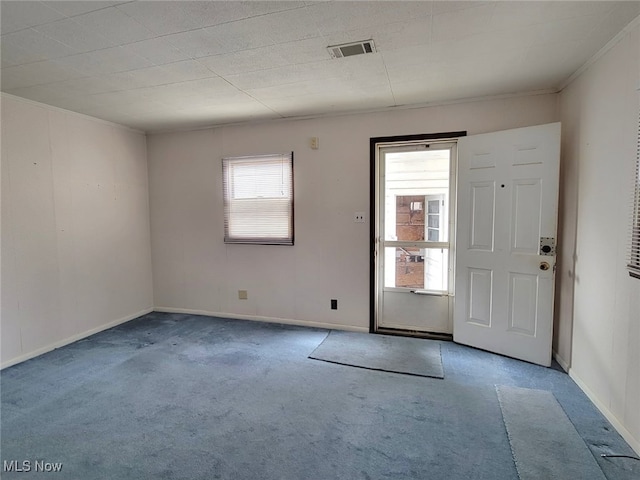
502	258
413	214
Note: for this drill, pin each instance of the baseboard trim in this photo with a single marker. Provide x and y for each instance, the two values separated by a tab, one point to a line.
626	434
259	318
561	361
73	338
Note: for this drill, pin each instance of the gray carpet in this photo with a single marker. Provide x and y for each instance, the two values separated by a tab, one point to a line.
412	356
171	396
543	440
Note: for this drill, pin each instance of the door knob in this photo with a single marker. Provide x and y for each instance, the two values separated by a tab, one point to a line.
544	266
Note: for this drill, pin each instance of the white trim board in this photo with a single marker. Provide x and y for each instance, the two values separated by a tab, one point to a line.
73	338
348	113
609	45
626	434
259	318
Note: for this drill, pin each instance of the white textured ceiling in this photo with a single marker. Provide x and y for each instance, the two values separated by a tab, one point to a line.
156	65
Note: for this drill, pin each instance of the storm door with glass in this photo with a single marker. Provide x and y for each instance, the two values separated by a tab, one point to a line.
415	206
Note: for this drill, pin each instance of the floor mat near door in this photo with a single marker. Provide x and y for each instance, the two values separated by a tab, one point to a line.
411	356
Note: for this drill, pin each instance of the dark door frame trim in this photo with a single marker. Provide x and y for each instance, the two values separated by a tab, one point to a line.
373	208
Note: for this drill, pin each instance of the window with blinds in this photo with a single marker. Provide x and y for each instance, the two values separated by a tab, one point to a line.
634	257
258	199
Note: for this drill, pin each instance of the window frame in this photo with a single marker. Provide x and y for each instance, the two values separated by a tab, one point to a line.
228	186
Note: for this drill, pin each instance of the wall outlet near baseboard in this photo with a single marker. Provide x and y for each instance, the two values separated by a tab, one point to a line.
334	304
243	294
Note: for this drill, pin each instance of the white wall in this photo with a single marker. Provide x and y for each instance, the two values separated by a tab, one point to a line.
195	271
75	227
599	112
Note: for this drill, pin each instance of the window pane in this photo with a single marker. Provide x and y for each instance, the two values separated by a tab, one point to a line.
409	268
416	190
409	220
417	268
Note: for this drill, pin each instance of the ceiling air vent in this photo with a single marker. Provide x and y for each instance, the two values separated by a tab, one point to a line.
350	49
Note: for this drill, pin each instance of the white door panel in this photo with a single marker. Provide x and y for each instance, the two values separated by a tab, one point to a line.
525	215
480	281
482	214
507	198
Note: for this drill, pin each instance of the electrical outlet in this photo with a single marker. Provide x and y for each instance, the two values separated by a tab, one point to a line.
358	217
243	294
334	304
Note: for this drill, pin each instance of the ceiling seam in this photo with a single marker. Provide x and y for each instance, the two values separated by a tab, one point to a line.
83	13
156	35
386	71
46	4
204	27
240	90
197	59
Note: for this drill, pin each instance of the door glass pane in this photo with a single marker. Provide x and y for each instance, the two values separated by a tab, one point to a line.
416	195
409	217
416	268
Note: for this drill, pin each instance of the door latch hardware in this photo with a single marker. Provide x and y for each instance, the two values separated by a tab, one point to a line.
547	246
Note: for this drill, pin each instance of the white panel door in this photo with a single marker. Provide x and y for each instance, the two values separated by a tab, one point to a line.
505	241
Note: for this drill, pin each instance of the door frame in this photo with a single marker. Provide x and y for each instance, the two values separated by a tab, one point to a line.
373	210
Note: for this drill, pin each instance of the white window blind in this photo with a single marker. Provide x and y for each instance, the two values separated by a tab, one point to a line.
258	199
634	257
